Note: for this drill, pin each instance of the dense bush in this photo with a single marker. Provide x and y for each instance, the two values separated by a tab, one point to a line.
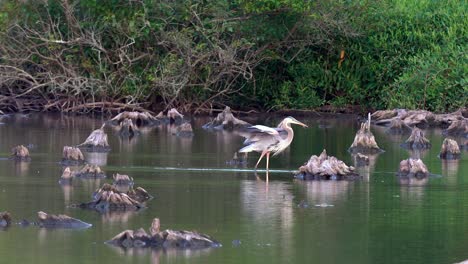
264	54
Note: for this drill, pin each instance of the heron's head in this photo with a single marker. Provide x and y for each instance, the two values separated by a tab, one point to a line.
292	120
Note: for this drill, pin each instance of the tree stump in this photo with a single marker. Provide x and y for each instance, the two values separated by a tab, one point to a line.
184	130
412	168
360	160
96	141
122	179
20	153
90	172
450	149
174	116
60	221
168	239
72	156
419	118
326	167
364	141
138	118
417	140
67	176
397	126
5	219
226	120
458	128
128	129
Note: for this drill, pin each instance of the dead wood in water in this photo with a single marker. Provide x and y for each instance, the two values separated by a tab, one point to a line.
184	130
458	128
417	140
5	219
72	156
128	129
20	153
138	118
90	171
60	221
413	168
420	118
174	116
122	179
96	141
450	149
226	120
326	167
66	177
168	239
360	160
364	141
397	126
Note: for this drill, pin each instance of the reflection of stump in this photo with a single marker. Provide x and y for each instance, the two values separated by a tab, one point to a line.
397	126
326	167
96	141
364	141
168	239
5	219
450	149
66	177
458	128
413	168
184	130
60	221
90	172
128	129
226	120
417	140
20	153
72	156
238	161
360	160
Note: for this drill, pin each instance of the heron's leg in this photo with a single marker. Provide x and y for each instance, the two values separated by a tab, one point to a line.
261	156
267	162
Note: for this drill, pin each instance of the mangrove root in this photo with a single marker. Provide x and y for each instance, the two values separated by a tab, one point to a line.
417	140
364	141
226	120
5	219
413	168
60	221
72	156
20	153
128	129
326	167
96	141
168	239
450	149
138	118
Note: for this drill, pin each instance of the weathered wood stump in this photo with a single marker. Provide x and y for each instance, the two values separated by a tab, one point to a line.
458	128
90	172
450	149
5	219
397	126
412	168
138	118
96	141
417	140
60	221
420	118
72	156
184	130
226	120
20	153
108	198
168	239
128	129
122	179
364	141
360	160
66	177
174	116
326	167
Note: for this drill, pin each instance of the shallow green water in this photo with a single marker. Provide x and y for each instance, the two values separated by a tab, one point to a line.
375	220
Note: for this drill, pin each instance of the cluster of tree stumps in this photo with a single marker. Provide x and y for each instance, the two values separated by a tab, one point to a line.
45	220
326	167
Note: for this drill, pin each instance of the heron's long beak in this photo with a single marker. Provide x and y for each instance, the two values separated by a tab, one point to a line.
300	123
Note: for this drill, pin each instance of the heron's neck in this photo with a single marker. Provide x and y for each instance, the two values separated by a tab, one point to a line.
290	132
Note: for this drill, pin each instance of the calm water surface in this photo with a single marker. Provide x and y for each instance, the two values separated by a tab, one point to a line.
375	220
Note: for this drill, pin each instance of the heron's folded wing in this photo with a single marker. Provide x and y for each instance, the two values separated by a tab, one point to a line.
265	129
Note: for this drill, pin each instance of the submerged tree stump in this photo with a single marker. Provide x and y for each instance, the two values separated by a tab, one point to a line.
364	141
420	118
168	239
108	198
397	126
128	129
5	219
450	149
417	140
90	171
60	221
184	130
326	167
226	120
96	141
174	116
72	156
20	153
122	179
66	177
138	118
458	128
412	168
